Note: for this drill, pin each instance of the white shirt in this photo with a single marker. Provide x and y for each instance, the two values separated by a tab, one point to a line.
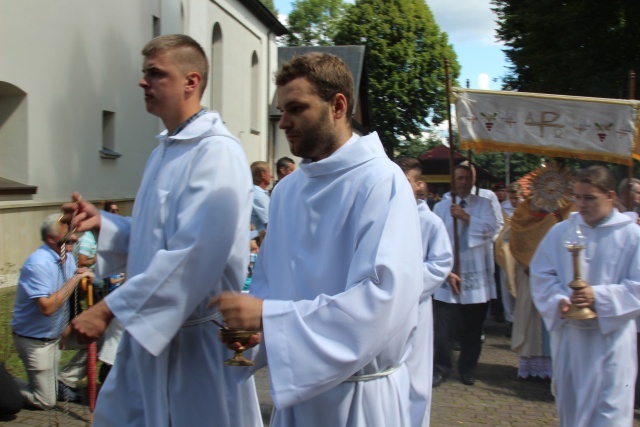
260	211
476	251
495	205
508	208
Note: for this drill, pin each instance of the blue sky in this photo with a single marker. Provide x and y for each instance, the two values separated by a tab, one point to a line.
470	25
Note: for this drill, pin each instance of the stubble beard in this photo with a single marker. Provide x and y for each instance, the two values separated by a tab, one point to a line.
318	141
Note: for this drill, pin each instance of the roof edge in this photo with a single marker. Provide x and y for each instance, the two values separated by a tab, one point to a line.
263	13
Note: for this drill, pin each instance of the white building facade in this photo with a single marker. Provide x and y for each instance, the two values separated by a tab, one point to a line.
72	117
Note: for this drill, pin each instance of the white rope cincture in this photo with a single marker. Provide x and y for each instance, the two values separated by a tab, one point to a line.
370	377
192	322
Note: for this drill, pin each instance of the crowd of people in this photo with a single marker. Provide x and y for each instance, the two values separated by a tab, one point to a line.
359	292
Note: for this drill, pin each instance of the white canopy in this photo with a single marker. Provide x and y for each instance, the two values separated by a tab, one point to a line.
552	125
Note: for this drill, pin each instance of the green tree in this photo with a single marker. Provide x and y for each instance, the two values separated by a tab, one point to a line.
270	6
520	164
314	22
405	65
417	146
571	47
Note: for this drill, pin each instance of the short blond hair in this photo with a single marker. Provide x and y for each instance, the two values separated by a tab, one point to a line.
257	168
186	53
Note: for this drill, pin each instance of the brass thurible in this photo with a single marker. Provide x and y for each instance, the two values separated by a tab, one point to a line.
242	337
576	284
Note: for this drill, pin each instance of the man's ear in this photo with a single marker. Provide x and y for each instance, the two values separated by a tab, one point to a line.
193	81
339	106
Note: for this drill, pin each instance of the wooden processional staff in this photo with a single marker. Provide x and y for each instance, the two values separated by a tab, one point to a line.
456	244
632	95
92	349
92	356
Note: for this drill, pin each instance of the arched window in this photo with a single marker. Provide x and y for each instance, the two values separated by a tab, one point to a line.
155	26
216	69
14	143
254	95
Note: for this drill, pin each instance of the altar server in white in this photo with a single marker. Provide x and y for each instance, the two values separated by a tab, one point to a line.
487	194
336	286
594	360
467	294
437	264
187	240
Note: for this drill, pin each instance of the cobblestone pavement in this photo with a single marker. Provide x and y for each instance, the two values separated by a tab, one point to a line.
497	399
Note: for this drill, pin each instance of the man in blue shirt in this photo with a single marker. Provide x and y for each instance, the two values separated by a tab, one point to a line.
41	312
261	173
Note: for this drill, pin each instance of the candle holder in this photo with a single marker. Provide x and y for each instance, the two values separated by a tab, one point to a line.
575	242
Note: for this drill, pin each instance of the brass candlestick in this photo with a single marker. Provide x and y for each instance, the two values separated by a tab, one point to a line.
575	244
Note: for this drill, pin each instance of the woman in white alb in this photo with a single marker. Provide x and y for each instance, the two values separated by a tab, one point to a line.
594	360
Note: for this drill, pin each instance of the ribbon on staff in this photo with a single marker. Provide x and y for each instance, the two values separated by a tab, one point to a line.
552	125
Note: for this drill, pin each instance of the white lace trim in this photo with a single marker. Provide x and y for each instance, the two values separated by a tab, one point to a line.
536	366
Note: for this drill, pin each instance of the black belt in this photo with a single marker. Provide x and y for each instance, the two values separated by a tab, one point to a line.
37	339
